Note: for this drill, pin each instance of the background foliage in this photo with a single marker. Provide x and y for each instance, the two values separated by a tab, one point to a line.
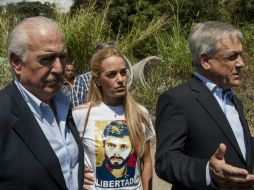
140	28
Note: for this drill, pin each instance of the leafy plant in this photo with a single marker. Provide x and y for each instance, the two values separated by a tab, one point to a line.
82	31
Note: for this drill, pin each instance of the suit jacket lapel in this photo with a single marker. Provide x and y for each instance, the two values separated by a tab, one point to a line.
210	104
30	132
74	131
247	135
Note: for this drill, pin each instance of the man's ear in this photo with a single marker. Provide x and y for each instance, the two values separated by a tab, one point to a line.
205	61
16	63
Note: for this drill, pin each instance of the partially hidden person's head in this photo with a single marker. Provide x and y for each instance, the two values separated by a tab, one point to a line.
102	45
117	144
216	50
69	72
37	55
109	77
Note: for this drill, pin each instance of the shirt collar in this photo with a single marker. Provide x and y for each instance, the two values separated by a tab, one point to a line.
210	85
213	87
33	102
60	100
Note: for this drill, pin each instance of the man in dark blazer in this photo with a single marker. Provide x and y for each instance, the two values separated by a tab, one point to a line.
203	139
40	147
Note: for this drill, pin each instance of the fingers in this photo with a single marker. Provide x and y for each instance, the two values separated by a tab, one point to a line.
240	183
89	178
220	153
234	172
88	181
228	176
88	170
225	175
217	163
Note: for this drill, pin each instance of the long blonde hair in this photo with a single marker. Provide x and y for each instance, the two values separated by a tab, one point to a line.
136	118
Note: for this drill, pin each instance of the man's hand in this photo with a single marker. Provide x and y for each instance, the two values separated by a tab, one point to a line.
88	178
226	176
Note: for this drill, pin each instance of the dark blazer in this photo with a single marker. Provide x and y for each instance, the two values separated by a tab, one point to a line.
27	160
190	125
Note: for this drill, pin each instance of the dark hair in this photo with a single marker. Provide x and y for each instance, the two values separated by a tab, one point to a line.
116	129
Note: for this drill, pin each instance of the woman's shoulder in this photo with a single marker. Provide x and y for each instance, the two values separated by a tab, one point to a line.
81	108
143	108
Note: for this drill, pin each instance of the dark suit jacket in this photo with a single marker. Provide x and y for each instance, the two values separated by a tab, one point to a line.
190	125
27	160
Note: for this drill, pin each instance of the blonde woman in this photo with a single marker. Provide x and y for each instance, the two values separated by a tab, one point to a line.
115	129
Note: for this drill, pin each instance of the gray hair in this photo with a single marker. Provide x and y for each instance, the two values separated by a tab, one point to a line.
206	36
102	45
18	40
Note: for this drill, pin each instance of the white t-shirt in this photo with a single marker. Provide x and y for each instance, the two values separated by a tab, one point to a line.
107	147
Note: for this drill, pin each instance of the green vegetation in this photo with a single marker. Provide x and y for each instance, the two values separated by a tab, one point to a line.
141	28
28	9
82	31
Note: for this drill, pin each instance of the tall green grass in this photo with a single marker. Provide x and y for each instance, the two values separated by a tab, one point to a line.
85	28
82	31
140	32
5	25
174	67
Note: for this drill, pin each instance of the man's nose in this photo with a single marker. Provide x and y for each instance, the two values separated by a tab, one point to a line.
57	66
117	152
240	62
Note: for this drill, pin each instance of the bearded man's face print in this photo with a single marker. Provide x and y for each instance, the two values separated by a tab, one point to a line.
117	151
119	159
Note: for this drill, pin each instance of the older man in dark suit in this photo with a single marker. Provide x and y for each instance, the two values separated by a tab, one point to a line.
39	143
203	140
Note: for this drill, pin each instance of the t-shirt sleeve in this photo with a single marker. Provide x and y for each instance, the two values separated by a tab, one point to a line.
79	115
149	130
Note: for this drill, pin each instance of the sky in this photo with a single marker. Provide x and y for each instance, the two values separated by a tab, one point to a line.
61	4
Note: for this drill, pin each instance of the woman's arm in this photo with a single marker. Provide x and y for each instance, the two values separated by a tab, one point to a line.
147	168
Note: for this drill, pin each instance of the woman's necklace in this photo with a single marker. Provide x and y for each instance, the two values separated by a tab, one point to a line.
117	110
117	113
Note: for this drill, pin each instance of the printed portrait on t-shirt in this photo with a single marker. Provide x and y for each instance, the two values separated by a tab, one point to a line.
115	158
